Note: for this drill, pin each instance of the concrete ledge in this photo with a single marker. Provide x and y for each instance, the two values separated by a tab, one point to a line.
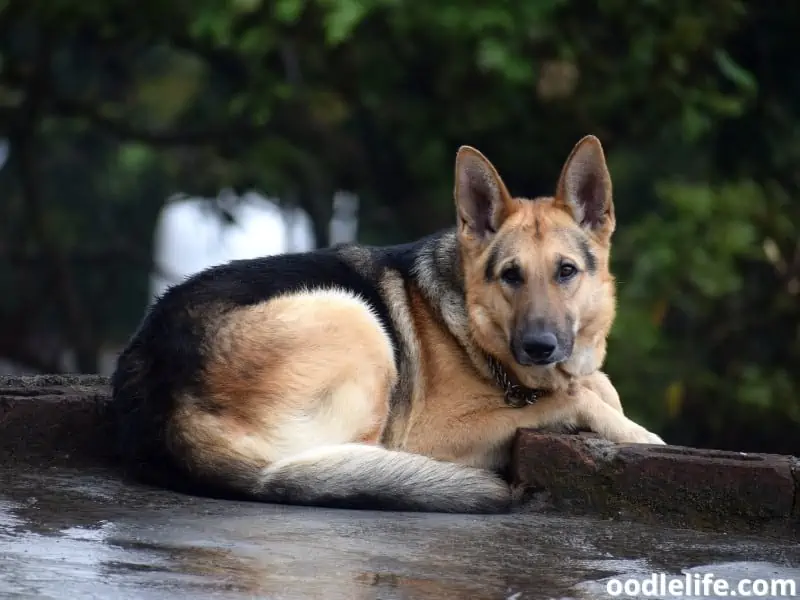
701	489
57	420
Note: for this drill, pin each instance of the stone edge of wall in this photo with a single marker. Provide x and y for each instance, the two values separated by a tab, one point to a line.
63	419
55	419
674	485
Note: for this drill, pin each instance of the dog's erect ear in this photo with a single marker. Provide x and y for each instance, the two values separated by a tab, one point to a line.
584	188
482	200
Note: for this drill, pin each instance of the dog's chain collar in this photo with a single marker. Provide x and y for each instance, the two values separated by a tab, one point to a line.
516	395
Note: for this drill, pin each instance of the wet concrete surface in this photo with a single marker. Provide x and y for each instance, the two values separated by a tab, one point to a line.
69	533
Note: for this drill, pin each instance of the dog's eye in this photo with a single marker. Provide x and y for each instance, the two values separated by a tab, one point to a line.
567	271
512	275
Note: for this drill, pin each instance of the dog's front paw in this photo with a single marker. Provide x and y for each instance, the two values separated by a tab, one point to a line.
655	439
640	435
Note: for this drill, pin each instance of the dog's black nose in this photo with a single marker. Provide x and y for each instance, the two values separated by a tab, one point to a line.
539	346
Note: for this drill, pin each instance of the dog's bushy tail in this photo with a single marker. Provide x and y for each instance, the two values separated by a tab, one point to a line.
370	477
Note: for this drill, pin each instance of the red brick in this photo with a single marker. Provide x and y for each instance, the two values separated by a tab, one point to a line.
563	465
54	418
663	484
705	484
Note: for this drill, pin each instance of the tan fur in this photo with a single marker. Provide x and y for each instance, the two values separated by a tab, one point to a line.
299	376
291	374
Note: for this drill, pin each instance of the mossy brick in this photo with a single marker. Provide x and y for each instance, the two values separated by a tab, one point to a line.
685	487
714	484
566	466
55	418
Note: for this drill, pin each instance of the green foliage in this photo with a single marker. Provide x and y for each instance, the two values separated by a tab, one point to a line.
696	104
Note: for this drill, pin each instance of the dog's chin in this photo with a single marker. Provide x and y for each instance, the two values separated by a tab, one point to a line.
537	376
536	364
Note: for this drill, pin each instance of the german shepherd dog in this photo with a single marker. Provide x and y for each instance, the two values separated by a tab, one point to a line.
387	378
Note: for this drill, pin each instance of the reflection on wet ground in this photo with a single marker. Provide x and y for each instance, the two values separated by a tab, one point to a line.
78	534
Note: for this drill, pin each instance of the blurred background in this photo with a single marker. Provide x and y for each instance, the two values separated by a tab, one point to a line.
142	142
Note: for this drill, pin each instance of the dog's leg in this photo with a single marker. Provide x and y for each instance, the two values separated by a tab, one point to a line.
594	411
284	377
586	408
480	438
599	383
594	404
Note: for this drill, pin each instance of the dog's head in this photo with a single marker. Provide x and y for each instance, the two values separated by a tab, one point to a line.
538	288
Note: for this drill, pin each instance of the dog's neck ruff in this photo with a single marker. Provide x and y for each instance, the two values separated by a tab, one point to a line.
516	395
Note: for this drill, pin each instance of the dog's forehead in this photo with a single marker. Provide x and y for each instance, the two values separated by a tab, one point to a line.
542	212
539	228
